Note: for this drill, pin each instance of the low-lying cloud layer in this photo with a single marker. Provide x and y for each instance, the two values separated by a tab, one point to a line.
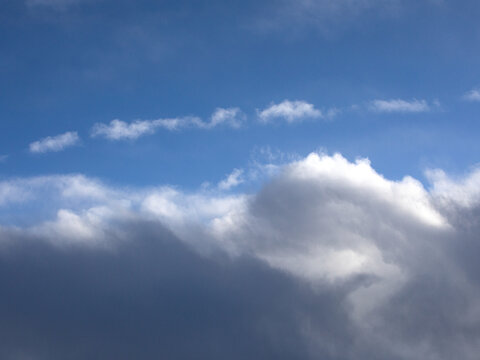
327	260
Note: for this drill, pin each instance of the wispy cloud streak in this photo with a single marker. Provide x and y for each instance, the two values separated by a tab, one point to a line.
119	130
55	143
399	105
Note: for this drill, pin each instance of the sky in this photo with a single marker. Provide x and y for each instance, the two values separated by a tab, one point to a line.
268	179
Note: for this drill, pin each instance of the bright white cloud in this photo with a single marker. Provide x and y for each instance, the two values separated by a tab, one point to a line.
55	143
472	95
399	105
291	111
232	180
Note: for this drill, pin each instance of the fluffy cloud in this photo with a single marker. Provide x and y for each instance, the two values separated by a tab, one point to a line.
399	105
328	259
118	130
55	143
291	111
472	95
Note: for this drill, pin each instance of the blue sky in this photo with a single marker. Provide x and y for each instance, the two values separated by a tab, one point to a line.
67	65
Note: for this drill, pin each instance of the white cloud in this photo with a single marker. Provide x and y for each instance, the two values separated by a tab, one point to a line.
55	143
229	116
463	192
3	158
118	130
472	95
399	105
291	111
232	180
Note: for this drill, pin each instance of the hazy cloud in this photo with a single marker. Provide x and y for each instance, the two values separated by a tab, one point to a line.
231	116
472	95
55	143
327	16
399	105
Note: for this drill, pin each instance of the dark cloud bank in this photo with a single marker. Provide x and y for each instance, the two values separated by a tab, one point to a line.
154	298
331	261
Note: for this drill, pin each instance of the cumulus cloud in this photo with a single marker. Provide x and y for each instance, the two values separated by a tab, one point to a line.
55	143
118	130
399	105
472	95
290	111
329	259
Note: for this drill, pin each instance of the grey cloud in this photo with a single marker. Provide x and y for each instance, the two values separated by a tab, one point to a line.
328	260
152	297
